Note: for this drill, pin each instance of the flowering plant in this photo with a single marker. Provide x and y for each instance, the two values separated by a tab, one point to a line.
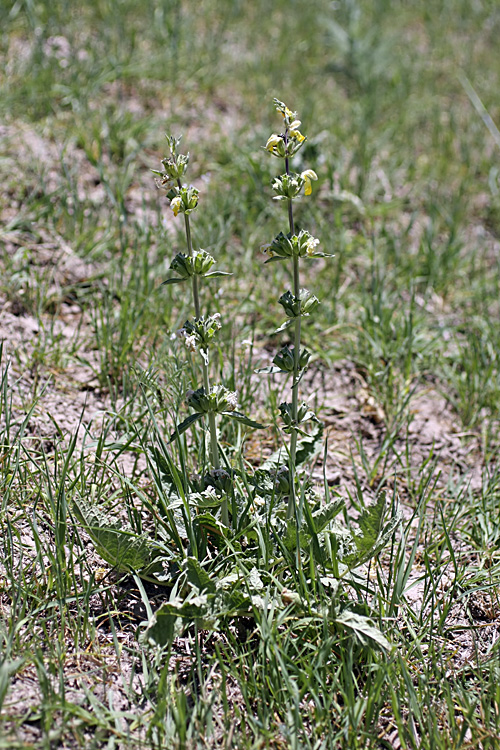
200	332
297	303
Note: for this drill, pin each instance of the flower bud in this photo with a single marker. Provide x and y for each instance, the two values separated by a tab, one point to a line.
284	359
220	479
182	265
200	332
290	304
282	480
304	359
198	400
202	262
286	414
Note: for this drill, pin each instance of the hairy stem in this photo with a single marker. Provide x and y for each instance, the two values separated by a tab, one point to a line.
212	425
296	359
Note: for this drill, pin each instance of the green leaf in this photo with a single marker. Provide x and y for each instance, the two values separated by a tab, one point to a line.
173	281
173	617
364	629
271	370
215	274
285	325
307	448
183	426
292	539
199	577
374	536
327	513
274	259
117	543
238	417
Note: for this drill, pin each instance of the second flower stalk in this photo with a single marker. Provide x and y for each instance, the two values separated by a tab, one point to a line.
200	332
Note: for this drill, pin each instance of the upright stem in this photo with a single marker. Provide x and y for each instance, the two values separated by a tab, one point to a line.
212	425
296	360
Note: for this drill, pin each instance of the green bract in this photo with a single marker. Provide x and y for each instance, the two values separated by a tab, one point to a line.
284	359
304	414
287	186
183	199
198	263
219	400
295	306
199	332
174	166
282	479
301	245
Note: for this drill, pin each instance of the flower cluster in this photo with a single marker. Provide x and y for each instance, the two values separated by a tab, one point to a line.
219	400
183	199
190	265
288	143
301	245
289	186
304	414
174	165
297	303
285	359
295	306
199	333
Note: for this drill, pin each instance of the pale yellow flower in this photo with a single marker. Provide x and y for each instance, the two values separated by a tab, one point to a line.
312	245
297	135
272	142
307	176
175	205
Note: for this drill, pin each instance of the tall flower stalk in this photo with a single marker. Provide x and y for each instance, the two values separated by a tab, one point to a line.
200	332
297	303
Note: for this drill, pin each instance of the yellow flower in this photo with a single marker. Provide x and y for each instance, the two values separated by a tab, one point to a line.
175	205
307	176
297	135
272	142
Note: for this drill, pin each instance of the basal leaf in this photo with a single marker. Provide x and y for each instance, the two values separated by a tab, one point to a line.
173	617
327	513
199	577
374	535
117	543
363	628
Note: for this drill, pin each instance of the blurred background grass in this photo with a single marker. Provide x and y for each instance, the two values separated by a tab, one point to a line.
88	91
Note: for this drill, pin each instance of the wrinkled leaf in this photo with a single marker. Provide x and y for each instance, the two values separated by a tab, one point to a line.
173	617
374	535
199	577
307	448
327	513
117	543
